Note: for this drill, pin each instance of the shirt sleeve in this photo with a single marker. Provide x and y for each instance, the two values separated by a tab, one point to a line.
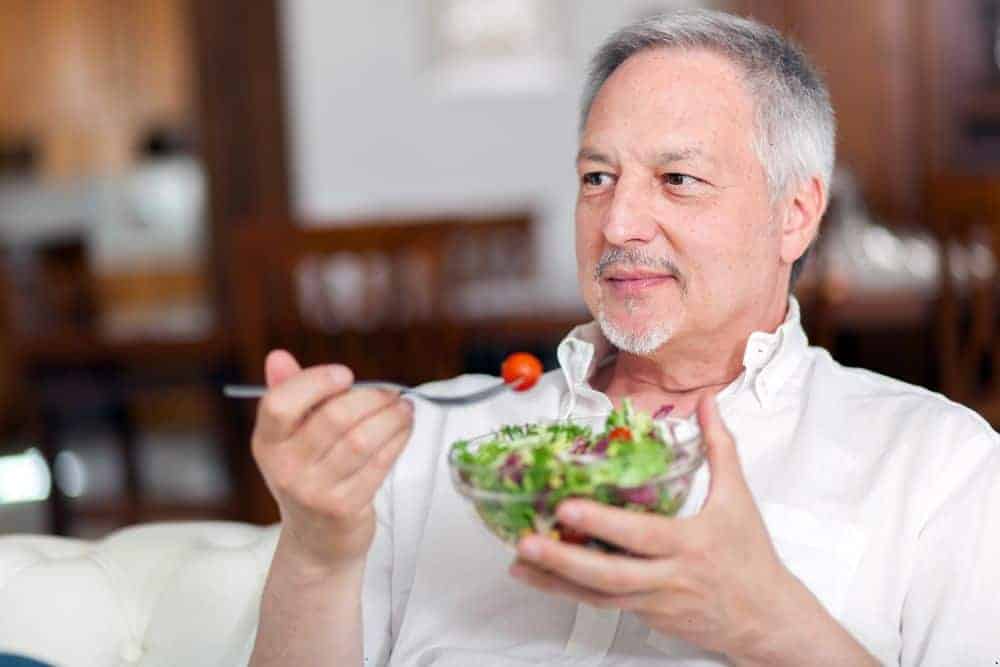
376	601
952	608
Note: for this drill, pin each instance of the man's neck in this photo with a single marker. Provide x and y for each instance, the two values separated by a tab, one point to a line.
680	372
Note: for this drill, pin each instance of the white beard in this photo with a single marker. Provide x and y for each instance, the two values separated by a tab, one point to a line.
642	344
632	342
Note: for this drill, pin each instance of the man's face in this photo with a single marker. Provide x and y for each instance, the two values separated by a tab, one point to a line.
675	236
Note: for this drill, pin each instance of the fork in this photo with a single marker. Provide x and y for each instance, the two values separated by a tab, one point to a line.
257	391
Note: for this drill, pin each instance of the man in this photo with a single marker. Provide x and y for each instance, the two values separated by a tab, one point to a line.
843	517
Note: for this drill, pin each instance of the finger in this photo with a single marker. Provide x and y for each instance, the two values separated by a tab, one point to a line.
640	533
328	425
720	449
605	573
286	404
360	442
552	583
360	489
279	366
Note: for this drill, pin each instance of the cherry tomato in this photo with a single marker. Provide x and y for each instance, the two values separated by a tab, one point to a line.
521	370
567	534
620	433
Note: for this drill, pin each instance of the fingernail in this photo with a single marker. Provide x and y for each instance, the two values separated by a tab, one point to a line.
530	548
340	374
569	513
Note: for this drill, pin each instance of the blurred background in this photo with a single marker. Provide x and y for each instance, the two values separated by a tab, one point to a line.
184	185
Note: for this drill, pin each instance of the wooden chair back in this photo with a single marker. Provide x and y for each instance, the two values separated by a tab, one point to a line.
964	211
46	289
372	295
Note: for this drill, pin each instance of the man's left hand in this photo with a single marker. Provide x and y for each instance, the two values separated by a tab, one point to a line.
713	579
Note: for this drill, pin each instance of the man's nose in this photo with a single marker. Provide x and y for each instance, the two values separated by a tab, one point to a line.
628	218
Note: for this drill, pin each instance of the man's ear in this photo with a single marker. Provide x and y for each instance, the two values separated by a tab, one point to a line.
802	217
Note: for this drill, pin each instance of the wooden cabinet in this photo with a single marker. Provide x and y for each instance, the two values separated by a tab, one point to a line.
961	66
85	79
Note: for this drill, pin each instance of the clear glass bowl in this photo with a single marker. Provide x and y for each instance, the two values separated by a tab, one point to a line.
511	515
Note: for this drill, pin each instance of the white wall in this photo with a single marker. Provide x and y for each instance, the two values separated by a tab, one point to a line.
369	133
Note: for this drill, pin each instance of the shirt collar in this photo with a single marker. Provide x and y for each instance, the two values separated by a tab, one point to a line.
768	361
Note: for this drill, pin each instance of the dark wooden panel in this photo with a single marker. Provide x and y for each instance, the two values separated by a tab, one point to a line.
243	143
241	111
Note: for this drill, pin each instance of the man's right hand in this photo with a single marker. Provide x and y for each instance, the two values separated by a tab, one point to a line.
324	449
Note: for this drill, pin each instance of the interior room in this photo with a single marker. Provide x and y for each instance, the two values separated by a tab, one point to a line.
153	148
185	186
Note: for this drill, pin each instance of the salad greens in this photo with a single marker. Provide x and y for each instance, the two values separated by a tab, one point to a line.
518	475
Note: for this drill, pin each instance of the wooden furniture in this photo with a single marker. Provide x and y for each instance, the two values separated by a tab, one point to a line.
370	294
887	330
338	292
829	310
965	211
92	76
959	74
65	376
238	59
836	300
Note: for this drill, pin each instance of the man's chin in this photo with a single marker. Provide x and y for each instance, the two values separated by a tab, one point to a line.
641	340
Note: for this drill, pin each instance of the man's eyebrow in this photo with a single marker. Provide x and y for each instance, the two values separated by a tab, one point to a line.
592	155
662	158
679	155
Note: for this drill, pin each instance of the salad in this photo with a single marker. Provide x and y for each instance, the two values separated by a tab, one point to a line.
517	476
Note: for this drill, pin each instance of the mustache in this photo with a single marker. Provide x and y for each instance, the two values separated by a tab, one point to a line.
633	257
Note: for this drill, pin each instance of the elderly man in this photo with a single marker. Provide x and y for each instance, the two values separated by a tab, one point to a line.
844	518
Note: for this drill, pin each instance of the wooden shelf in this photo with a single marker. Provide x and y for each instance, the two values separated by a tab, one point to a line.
85	347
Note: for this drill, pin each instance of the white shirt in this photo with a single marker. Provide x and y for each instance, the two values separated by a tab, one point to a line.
882	497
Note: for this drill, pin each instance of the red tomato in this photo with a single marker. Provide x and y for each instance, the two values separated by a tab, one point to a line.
521	370
567	534
620	433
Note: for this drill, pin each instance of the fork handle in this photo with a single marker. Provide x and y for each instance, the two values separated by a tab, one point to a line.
258	391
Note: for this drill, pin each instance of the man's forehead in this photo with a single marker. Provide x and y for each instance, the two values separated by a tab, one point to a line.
673	79
663	66
679	103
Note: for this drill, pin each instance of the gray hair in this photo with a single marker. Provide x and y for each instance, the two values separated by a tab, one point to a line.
794	121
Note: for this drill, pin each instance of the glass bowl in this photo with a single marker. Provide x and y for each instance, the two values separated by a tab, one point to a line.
511	514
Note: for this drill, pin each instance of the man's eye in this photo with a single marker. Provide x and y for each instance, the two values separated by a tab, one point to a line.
679	179
596	178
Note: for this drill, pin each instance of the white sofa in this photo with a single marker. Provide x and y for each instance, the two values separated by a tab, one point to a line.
154	594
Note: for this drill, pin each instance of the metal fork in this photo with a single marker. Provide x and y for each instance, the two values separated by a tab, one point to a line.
257	391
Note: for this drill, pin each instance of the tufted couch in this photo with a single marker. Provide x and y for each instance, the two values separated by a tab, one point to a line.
157	594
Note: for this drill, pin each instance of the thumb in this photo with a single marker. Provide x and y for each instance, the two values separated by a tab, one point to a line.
279	366
720	448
